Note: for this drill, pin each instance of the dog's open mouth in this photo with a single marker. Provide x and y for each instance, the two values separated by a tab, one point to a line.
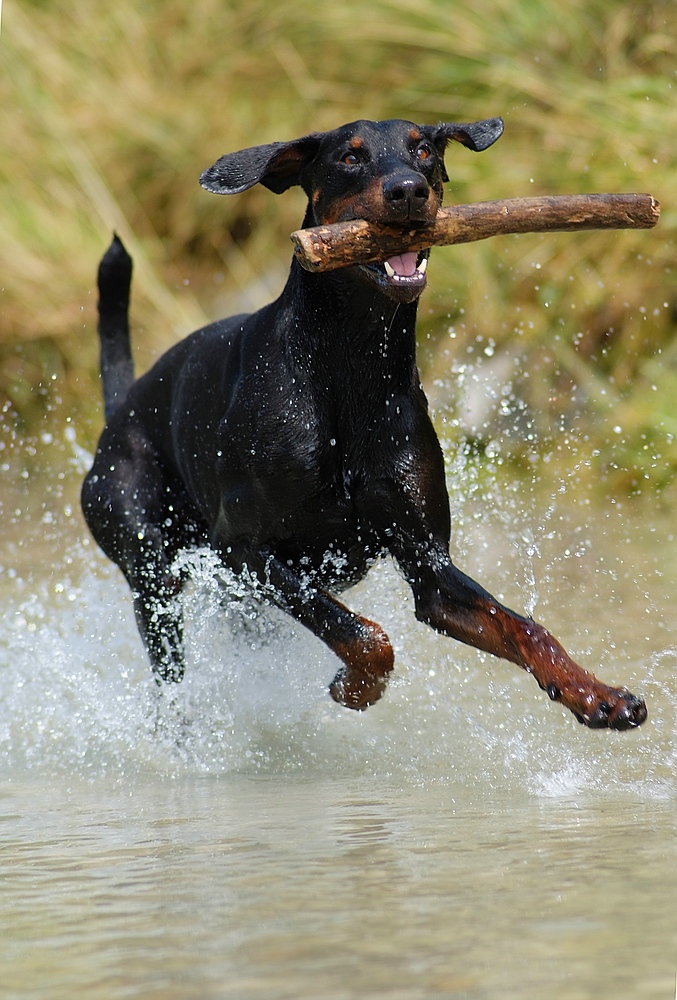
405	273
406	269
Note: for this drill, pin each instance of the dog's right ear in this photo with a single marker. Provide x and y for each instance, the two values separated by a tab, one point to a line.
277	166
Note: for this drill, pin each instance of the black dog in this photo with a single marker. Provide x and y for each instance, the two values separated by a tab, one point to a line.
296	441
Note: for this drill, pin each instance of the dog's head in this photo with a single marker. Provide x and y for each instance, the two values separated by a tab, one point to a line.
391	172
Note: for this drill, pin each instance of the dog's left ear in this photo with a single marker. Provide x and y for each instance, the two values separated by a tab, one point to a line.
277	166
475	135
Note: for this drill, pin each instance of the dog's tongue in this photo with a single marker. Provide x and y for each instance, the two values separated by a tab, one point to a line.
404	264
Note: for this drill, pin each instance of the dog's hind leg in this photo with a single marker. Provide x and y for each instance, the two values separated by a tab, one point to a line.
140	552
141	521
157	606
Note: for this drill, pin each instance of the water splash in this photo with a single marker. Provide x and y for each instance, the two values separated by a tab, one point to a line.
77	696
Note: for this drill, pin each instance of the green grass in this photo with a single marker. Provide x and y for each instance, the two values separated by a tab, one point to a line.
109	112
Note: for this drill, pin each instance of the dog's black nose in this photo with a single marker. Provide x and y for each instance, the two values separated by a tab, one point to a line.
406	195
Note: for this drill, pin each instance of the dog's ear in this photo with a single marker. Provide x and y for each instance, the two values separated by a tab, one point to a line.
277	166
475	135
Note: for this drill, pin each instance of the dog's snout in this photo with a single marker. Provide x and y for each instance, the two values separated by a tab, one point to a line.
406	195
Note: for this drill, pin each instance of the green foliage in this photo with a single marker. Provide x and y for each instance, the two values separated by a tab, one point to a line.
109	112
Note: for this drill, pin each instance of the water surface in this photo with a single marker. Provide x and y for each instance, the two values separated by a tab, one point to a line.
245	837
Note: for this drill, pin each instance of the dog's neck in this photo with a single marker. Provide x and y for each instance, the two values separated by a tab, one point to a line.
353	350
340	325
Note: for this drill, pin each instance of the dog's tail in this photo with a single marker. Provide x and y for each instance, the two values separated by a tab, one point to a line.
117	369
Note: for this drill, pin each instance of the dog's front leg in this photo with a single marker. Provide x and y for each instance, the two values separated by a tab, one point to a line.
455	605
361	645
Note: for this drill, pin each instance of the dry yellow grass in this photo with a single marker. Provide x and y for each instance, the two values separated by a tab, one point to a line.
108	113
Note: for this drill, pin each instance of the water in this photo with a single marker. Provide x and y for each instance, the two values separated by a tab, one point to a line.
246	837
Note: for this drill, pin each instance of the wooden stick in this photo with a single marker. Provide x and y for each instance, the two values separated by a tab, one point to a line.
324	248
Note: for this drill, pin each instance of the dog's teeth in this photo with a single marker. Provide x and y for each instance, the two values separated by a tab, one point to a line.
390	271
422	266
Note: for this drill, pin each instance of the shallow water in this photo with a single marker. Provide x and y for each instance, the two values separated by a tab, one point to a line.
245	837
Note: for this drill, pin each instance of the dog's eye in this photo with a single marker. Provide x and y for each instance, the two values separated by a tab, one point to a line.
424	152
350	159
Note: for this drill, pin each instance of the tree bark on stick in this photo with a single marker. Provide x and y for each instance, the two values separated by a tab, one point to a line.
325	248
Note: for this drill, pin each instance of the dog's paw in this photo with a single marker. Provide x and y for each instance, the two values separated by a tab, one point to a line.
616	709
623	711
355	689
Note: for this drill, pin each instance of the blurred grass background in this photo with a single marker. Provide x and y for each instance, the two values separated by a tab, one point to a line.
529	345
